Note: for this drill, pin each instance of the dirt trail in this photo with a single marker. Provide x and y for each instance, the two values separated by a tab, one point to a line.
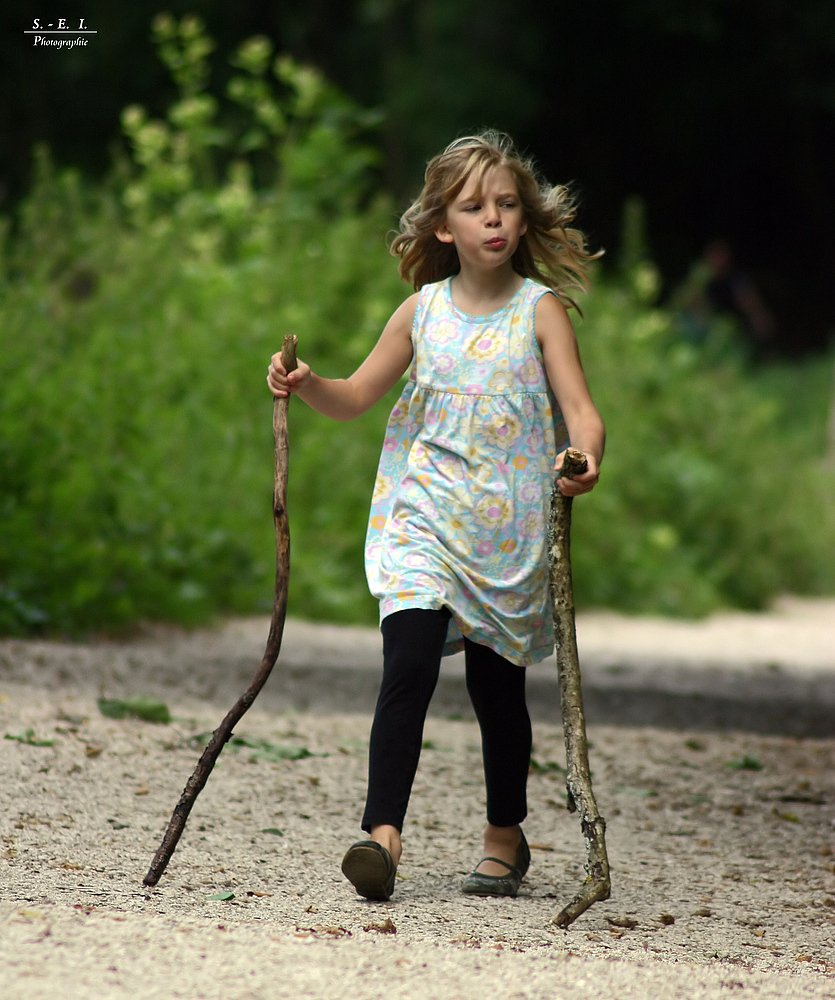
721	847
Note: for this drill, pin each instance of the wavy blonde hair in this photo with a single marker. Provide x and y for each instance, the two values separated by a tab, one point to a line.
550	252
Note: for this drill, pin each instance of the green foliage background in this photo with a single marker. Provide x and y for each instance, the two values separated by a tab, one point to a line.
137	319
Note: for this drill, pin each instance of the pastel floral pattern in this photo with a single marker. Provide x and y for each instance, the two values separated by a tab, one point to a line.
459	512
382	488
483	345
501	381
504	430
491	512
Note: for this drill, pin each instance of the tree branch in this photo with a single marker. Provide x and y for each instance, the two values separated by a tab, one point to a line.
222	734
578	778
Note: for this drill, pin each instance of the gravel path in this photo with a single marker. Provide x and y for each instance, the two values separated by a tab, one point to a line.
721	847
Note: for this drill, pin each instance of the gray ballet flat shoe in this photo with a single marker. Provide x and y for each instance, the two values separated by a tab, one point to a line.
370	868
476	884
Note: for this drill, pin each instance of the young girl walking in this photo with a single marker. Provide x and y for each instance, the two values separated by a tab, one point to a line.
456	546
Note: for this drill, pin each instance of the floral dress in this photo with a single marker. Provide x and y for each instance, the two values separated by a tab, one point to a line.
460	506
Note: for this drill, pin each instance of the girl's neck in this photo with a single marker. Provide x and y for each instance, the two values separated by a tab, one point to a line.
480	293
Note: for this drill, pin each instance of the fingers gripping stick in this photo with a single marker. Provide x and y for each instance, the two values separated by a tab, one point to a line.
578	778
282	575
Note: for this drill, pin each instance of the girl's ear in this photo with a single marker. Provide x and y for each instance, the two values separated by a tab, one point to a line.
443	233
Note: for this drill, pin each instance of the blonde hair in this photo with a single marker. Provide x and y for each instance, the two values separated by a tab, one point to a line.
549	252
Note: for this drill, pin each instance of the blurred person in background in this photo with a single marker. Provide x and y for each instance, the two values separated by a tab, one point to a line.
715	286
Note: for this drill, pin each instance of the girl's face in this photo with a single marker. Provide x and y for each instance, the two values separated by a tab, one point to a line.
486	221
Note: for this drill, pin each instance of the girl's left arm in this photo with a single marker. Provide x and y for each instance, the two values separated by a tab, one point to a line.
556	339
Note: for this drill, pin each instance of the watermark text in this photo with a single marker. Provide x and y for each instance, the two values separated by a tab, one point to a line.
62	33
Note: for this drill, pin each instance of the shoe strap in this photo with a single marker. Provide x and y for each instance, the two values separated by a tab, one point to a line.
510	868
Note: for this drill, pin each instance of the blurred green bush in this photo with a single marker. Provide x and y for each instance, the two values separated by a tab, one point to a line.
713	490
136	323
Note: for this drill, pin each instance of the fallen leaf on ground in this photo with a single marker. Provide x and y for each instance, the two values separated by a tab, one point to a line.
644	793
467	939
789	817
386	927
748	763
263	749
140	706
549	767
27	736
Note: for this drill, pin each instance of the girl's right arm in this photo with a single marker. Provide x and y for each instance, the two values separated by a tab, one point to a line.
344	399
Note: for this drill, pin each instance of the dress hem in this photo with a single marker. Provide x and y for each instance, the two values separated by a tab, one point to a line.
455	644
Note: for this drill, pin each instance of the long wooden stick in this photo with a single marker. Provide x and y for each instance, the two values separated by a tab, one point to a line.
578	778
221	735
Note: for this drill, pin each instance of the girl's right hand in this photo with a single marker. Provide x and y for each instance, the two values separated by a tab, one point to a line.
280	383
574	486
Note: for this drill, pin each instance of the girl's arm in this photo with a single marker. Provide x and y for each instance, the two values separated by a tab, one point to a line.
344	399
555	336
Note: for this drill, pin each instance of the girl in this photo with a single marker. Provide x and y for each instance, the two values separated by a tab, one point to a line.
456	548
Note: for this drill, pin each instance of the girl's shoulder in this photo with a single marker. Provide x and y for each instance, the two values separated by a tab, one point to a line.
544	302
534	291
405	313
431	297
432	288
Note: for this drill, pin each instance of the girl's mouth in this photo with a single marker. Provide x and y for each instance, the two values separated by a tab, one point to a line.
497	241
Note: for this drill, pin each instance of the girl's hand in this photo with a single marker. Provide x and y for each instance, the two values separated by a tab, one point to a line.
346	398
579	484
280	383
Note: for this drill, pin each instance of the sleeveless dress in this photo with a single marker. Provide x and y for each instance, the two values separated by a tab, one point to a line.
459	513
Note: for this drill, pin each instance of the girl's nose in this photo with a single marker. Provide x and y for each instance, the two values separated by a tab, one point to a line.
492	216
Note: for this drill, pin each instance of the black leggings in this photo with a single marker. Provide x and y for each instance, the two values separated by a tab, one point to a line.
413	642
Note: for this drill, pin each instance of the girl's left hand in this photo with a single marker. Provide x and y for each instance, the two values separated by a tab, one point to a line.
579	484
280	383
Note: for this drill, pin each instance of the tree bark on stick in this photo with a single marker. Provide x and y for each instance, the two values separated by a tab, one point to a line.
578	777
222	734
